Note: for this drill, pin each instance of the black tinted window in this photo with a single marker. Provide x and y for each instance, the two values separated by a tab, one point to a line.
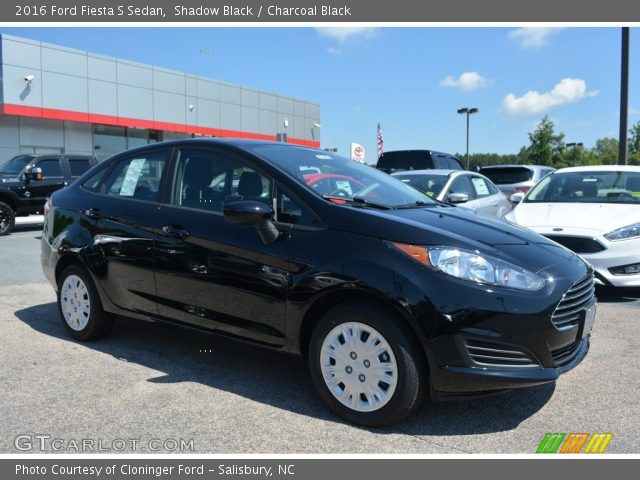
454	163
441	162
50	168
78	166
137	177
208	180
506	175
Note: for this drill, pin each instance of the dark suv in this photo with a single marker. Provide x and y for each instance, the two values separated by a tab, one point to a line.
390	294
26	181
399	160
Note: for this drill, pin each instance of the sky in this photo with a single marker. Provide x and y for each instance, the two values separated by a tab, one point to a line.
410	79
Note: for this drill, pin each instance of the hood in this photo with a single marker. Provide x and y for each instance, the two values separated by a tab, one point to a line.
438	225
597	217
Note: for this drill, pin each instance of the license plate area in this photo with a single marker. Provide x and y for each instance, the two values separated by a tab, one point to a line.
589	320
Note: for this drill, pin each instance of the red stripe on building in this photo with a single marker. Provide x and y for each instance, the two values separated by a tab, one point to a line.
55	114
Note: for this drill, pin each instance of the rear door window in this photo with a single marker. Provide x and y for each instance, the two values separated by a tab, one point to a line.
137	177
462	185
507	175
78	166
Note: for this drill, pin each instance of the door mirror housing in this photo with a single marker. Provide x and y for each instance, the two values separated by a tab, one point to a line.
458	198
516	197
249	212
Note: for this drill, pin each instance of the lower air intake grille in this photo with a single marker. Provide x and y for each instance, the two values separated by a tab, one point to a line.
570	309
489	354
578	244
564	355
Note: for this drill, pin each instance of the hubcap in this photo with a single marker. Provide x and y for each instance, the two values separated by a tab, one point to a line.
359	367
75	303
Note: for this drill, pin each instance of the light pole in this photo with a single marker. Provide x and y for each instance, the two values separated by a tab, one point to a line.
468	111
574	145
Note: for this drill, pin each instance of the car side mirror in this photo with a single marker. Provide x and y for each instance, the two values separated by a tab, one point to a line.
36	174
458	197
516	197
249	212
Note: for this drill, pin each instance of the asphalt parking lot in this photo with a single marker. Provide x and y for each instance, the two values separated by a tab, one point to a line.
152	382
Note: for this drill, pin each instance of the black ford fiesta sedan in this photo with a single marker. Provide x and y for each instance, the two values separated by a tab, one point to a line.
391	295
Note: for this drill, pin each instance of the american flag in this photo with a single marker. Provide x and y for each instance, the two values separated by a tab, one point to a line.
380	141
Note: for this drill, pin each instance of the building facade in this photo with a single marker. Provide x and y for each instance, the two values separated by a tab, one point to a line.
60	100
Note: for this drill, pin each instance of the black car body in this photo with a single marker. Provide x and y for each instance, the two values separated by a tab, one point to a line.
22	193
248	250
401	160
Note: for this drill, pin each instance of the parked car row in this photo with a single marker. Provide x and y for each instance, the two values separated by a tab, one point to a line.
392	295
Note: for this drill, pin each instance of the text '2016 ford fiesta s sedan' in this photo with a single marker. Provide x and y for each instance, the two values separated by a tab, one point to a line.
390	294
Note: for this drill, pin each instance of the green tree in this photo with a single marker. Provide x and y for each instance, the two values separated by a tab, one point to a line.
634	139
546	147
606	151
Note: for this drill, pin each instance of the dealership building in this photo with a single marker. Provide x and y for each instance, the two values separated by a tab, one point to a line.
55	99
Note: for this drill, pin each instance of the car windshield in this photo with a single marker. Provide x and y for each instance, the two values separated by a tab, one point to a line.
339	179
429	184
588	187
507	175
15	165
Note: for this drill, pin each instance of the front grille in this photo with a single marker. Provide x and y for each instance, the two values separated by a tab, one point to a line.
578	244
564	355
489	354
570	309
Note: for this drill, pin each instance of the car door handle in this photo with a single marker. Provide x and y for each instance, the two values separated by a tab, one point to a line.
176	231
93	213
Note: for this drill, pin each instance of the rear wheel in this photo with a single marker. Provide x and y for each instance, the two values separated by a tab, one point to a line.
7	218
366	367
80	307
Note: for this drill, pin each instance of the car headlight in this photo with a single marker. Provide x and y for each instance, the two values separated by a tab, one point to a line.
474	266
624	233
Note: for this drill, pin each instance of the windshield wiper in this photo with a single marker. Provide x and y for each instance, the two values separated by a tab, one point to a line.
358	201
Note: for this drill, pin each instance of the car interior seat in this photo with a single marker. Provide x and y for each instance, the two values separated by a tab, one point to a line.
250	186
198	175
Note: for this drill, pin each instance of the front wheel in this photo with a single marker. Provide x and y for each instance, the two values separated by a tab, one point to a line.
80	307
366	366
7	218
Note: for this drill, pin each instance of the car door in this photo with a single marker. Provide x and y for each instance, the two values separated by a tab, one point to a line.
211	274
121	212
486	201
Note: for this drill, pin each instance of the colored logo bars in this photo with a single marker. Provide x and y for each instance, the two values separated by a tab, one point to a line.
573	443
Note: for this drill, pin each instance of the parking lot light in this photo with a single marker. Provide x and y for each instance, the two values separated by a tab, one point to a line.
468	111
574	145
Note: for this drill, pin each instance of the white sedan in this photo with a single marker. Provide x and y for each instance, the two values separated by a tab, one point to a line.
593	211
467	189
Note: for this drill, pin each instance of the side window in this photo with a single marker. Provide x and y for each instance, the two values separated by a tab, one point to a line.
50	167
454	163
137	177
290	211
480	187
208	180
78	166
441	162
462	185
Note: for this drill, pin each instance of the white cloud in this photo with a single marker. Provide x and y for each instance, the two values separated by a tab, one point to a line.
533	37
569	90
341	34
466	82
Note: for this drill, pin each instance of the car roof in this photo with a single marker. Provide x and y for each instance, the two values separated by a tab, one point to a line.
601	168
429	171
516	166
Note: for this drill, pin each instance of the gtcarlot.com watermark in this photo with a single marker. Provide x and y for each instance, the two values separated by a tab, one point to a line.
47	443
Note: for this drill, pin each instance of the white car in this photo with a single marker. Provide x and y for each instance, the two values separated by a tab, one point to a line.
466	189
593	211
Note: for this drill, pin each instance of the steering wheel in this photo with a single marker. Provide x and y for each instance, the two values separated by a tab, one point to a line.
340	192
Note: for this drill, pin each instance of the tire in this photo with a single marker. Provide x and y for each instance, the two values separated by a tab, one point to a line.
7	218
377	343
79	305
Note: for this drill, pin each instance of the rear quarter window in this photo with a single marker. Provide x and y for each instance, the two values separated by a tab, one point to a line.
507	175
